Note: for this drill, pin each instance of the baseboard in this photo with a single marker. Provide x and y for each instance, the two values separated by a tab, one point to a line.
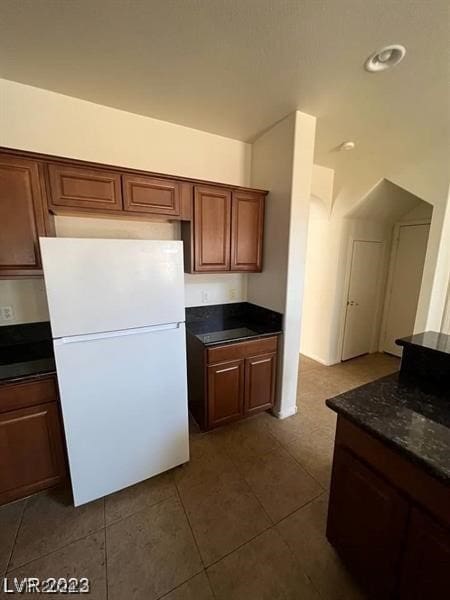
320	360
281	414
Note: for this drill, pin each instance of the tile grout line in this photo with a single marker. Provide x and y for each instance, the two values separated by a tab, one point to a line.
306	470
274	523
322	493
106	548
203	570
135	512
180	500
13	545
245	480
271	526
210	584
83	537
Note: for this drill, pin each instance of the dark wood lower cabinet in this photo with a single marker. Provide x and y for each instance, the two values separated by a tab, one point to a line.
367	522
426	564
227	383
225	392
32	456
388	519
260	382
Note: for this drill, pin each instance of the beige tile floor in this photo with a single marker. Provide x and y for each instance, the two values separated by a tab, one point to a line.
245	519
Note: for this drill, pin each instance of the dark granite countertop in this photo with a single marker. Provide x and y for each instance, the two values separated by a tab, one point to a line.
25	351
430	340
414	422
227	323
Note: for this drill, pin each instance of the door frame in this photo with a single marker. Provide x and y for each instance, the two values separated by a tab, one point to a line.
390	276
348	270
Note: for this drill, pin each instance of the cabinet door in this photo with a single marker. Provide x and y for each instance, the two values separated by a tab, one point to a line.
260	382
366	523
212	216
247	231
151	195
426	564
21	216
31	451
85	188
225	392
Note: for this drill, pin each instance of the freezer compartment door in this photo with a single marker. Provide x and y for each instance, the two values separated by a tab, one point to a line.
96	285
124	406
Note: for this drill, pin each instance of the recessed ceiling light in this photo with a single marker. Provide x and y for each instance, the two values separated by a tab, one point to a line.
383	59
347	146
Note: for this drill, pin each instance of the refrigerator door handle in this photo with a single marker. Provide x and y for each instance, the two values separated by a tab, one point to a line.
73	339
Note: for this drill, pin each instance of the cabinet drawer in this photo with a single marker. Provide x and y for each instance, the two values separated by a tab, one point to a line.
151	195
242	349
80	187
20	395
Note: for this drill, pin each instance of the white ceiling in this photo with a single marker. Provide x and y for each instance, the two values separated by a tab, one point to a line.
387	203
234	67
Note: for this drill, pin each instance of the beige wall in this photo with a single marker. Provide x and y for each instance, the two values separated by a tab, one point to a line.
330	236
445	327
27	299
43	121
282	162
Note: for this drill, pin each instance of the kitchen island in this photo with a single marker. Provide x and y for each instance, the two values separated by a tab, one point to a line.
389	508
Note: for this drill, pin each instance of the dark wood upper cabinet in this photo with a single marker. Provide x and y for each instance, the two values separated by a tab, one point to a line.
32	456
247	214
260	374
84	188
21	216
367	521
426	563
151	195
212	215
227	233
225	392
221	225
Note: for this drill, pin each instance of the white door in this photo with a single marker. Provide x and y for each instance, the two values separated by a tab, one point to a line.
96	285
405	280
124	406
363	298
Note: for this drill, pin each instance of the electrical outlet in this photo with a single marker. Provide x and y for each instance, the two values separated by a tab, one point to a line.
205	296
6	313
232	294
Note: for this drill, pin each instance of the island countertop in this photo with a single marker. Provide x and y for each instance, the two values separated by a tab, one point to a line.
410	420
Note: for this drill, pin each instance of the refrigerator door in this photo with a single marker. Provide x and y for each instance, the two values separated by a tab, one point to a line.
124	406
96	285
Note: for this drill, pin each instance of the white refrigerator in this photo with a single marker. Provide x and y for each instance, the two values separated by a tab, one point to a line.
117	319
